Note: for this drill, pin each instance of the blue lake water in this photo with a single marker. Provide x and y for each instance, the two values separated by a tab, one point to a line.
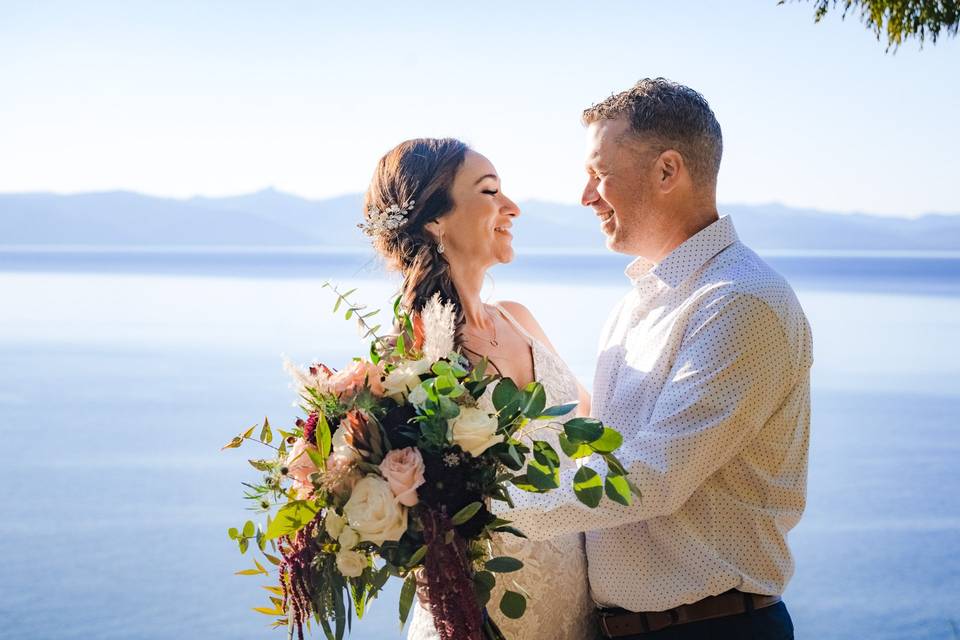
123	372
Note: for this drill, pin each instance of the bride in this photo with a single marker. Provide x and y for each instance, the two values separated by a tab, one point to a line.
454	224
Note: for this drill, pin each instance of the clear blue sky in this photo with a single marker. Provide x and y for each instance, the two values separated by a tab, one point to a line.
190	97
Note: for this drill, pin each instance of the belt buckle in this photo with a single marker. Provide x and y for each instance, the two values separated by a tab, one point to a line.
603	615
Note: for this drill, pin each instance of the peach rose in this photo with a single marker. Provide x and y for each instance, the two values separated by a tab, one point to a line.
403	470
353	377
300	467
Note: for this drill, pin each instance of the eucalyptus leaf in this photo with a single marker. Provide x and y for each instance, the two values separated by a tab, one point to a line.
609	442
617	489
574	451
513	604
503	564
558	410
509	455
487	579
535	399
588	486
583	430
504	394
265	434
448	408
545	454
523	483
616	468
249	529
542	477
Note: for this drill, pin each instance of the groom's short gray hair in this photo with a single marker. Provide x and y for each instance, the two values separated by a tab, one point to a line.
669	115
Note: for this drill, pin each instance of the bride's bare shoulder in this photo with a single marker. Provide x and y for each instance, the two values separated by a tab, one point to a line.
523	316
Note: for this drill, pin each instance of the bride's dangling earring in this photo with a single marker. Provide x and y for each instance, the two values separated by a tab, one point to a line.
440	244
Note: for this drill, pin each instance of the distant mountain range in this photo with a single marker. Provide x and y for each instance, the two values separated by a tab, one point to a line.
271	217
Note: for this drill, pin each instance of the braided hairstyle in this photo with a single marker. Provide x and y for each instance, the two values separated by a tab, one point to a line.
422	170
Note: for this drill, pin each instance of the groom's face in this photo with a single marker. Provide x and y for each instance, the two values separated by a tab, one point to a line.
617	186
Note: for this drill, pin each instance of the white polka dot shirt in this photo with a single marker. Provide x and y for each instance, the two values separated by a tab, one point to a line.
704	367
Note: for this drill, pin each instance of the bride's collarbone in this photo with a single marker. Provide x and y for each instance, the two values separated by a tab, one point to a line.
512	357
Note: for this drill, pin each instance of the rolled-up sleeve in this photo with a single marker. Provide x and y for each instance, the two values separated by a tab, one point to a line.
732	370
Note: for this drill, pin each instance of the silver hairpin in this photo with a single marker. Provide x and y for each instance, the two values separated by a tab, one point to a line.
391	218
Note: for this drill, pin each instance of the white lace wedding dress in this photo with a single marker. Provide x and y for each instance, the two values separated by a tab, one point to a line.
554	572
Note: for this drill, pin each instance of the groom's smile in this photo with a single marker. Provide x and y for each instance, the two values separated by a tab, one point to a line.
607	222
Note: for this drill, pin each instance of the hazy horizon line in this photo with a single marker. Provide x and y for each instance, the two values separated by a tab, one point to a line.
273	189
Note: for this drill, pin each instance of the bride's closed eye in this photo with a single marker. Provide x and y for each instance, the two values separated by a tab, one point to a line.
491	192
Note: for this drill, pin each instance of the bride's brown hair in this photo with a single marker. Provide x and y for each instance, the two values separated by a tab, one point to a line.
421	170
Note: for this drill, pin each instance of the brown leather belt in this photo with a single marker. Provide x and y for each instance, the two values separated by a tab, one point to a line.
620	623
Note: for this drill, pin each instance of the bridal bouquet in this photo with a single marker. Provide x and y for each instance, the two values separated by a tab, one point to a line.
390	474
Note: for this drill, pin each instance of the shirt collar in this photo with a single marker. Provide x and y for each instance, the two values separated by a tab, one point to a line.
686	259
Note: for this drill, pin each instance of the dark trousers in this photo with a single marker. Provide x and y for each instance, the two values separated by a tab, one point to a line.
769	623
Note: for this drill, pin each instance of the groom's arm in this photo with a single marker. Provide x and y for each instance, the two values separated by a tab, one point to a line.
734	368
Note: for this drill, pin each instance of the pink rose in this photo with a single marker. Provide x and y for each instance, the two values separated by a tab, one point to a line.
300	467
403	470
352	378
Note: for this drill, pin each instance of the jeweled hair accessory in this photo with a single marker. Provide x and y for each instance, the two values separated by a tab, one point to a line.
391	218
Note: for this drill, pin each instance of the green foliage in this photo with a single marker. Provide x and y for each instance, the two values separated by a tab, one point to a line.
513	604
617	489
583	430
503	564
899	20
466	513
291	517
407	592
587	486
483	583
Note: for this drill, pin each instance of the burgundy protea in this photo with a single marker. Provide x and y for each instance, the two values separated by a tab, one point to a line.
362	433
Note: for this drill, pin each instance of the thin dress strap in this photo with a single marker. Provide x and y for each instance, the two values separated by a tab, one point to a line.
516	325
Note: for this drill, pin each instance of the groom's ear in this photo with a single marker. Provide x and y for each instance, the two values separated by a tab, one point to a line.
669	167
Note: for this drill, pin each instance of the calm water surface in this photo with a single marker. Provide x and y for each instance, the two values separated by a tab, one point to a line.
121	375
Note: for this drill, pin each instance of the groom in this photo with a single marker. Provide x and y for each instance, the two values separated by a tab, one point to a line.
704	367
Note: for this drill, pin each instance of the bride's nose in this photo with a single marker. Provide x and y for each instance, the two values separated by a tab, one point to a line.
510	207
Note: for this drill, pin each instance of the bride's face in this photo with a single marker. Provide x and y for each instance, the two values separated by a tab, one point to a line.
477	230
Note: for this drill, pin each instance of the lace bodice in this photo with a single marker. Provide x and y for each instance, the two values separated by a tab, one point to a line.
555	571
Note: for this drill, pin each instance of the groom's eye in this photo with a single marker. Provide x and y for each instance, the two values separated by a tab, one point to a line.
491	192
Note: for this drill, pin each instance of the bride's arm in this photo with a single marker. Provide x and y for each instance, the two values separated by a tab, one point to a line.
522	315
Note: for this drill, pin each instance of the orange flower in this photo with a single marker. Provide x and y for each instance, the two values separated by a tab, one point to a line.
419	335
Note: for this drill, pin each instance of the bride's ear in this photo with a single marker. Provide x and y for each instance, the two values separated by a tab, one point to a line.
434	228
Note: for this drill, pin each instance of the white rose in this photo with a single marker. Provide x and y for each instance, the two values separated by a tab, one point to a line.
474	430
418	397
349	538
350	563
334	524
341	449
374	511
404	378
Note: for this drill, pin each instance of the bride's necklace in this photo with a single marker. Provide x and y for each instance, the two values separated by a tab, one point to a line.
493	341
